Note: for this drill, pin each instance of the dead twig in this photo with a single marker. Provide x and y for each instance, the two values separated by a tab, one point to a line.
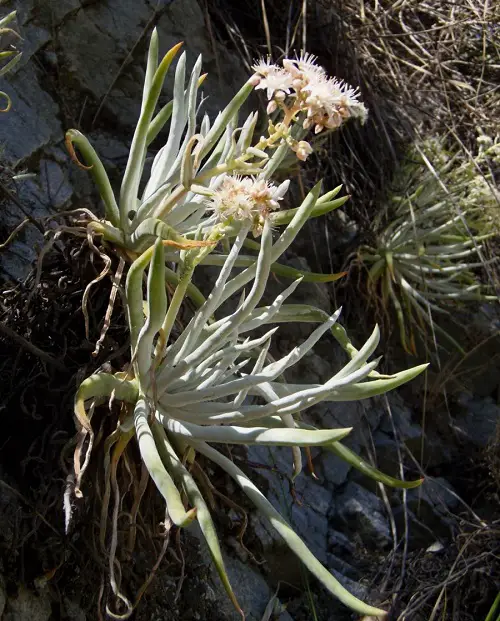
33	349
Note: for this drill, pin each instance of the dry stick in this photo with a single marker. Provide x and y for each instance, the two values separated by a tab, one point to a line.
39	515
448	490
450	374
115	583
213	44
231	503
86	293
168	526
109	311
33	349
11	237
372	452
109	443
79	468
427	592
405	506
265	23
450	574
183	565
143	483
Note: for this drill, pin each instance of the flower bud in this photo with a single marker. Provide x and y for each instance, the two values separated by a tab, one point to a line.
303	150
255	80
271	106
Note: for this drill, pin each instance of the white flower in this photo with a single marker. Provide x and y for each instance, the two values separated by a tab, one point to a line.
264	67
304	68
232	200
327	102
303	150
247	199
276	81
266	195
330	101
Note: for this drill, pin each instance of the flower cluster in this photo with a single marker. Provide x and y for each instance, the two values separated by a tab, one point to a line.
326	102
246	199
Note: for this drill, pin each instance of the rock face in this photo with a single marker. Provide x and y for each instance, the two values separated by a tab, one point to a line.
83	66
363	514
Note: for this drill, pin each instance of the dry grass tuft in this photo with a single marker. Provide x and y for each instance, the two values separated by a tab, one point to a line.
439	60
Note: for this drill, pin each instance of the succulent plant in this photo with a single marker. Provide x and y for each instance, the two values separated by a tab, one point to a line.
429	247
215	383
201	160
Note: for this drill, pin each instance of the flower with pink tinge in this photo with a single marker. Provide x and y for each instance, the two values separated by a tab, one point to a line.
326	102
246	199
274	79
304	68
303	150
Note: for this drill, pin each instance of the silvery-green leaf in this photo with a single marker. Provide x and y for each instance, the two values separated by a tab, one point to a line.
157	307
98	173
156	468
130	185
252	435
286	531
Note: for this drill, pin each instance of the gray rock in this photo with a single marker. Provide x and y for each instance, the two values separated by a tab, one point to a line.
355	588
312	527
363	514
331	470
28	606
356	414
313	494
273	474
32	122
29	10
401	418
250	587
267	536
338	566
336	414
387	452
435	497
477	420
93	44
309	292
309	519
431	511
111	31
340	545
45	193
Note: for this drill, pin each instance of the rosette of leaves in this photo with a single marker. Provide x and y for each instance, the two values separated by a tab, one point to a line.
9	56
216	383
429	250
196	158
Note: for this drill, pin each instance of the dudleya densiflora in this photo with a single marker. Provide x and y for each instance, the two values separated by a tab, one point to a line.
216	383
215	380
